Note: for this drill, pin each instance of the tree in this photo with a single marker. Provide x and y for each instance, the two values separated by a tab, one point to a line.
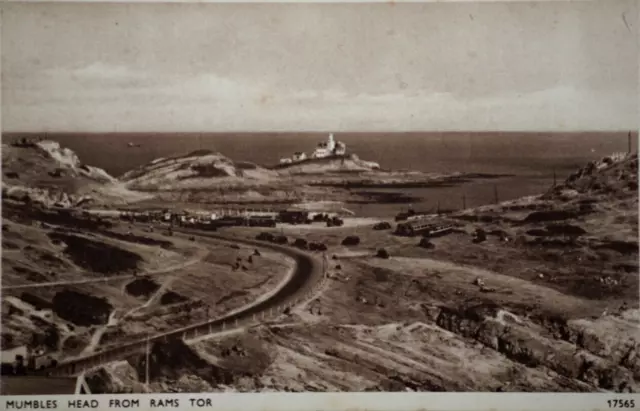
35	340
52	338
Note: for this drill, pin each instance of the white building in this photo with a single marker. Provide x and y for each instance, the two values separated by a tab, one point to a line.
325	148
15	355
329	148
299	156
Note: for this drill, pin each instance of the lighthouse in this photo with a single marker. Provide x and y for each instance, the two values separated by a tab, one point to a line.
331	144
329	148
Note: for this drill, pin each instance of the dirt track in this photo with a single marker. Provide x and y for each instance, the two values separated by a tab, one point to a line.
105	279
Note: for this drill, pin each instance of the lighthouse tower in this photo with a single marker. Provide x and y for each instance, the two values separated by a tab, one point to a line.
331	144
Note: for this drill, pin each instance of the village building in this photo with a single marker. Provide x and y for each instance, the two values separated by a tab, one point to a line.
425	227
22	359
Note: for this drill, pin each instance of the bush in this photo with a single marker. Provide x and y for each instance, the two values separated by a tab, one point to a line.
383	225
317	247
425	243
264	236
351	240
51	338
336	222
320	217
81	309
300	243
382	253
281	239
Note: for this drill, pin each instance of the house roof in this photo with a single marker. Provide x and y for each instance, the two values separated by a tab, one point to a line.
32	385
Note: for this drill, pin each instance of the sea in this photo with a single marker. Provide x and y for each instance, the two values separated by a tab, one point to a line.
527	161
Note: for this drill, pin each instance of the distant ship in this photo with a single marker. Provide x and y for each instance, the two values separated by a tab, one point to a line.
133	144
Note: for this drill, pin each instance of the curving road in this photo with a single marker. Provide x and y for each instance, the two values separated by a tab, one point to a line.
307	273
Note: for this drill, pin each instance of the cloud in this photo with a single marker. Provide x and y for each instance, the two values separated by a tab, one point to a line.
139	100
559	108
101	71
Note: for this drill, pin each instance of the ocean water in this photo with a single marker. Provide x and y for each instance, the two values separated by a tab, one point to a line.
529	158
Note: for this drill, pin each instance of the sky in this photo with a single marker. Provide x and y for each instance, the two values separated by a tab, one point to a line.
546	66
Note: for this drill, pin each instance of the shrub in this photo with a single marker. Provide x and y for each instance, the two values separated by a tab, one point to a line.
351	240
425	243
382	253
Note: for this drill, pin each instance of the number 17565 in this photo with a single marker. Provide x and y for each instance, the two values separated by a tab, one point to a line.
621	403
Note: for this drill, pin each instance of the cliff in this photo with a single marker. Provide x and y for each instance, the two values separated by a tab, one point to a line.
47	173
594	357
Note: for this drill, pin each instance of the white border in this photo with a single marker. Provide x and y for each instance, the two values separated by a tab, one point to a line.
390	2
332	401
398	401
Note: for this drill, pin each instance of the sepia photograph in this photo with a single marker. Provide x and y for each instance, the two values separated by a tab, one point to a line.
319	197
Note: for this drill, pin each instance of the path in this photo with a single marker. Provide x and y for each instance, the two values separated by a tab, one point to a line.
163	287
161	271
97	335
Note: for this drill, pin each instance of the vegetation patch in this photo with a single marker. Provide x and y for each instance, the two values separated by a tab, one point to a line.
96	256
142	287
81	309
172	297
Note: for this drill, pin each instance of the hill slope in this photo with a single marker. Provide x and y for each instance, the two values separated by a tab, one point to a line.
580	237
46	173
615	175
197	170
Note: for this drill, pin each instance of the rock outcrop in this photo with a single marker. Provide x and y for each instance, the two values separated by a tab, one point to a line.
580	355
46	173
338	164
